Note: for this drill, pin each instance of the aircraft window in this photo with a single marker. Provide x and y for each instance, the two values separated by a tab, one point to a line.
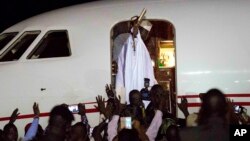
53	44
16	50
6	38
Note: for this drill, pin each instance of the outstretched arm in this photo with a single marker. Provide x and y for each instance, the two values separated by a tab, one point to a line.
32	131
14	116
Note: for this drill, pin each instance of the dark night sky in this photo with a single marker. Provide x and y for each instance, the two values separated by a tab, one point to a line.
14	11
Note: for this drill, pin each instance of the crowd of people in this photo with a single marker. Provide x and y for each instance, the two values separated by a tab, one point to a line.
134	121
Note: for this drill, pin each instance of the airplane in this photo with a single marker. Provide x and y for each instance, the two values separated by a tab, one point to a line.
194	45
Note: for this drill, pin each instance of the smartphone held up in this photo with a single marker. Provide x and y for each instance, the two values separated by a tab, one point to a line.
73	108
126	122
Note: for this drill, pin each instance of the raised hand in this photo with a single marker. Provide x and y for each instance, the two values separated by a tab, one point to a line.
230	104
233	117
109	91
183	106
82	109
14	116
36	109
101	104
108	110
118	106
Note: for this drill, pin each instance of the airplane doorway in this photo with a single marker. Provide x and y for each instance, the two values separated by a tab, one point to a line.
160	42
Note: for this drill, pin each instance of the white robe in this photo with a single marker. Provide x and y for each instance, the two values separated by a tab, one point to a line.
133	67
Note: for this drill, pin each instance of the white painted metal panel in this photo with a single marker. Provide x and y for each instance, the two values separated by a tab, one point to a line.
212	44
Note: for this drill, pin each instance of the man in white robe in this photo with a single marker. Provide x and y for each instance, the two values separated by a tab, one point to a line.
134	64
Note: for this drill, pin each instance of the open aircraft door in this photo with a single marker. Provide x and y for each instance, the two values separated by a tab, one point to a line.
159	38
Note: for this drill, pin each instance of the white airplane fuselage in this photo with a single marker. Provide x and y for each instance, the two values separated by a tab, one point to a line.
212	51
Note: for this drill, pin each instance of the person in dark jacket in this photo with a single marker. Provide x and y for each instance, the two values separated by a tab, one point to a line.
212	122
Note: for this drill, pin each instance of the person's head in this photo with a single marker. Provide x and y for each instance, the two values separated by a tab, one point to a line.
156	94
128	135
213	104
60	121
79	132
135	98
10	132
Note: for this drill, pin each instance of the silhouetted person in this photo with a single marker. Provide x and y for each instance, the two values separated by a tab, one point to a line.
59	124
212	121
10	132
136	108
34	131
156	94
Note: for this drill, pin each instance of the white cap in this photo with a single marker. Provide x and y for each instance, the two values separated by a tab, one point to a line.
146	25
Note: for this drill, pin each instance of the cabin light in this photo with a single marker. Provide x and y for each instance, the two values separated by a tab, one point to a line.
167	41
